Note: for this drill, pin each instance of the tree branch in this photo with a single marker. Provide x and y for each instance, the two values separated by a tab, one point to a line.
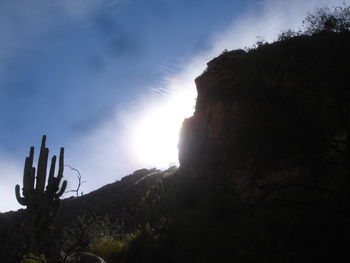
79	180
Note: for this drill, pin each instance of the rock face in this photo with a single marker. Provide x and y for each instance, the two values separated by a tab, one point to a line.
86	257
280	107
270	138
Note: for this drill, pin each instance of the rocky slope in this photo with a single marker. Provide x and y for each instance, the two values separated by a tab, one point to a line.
132	201
271	133
280	110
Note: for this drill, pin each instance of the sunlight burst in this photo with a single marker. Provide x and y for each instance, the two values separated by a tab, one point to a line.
157	133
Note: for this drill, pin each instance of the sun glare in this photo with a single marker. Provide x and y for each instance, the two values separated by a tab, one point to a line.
157	133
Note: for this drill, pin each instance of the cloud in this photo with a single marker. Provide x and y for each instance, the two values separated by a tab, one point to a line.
11	174
22	23
25	23
113	149
84	9
267	19
78	9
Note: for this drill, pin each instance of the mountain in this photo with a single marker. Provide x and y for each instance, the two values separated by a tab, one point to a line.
264	169
270	136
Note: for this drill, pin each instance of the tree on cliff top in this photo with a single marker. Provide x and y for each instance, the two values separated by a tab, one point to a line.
329	20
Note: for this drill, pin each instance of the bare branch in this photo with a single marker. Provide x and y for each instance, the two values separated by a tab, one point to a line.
79	180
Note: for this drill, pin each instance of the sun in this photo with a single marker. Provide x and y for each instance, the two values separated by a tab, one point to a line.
156	135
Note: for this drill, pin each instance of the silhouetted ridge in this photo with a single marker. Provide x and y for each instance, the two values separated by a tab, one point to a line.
269	143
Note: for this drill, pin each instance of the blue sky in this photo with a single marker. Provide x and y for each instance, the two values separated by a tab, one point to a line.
66	77
111	80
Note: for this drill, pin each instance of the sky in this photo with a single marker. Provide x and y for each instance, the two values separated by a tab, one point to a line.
112	80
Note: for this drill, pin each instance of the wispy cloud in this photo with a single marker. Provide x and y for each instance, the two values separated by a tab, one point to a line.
11	174
24	23
136	136
84	9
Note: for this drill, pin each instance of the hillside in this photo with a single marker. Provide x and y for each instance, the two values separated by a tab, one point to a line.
264	168
271	131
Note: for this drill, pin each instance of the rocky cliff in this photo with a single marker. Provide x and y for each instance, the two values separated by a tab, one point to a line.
270	132
278	111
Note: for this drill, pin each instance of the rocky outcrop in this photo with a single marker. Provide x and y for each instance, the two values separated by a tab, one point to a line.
280	107
86	257
269	144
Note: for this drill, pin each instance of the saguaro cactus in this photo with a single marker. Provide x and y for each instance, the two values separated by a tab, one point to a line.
42	204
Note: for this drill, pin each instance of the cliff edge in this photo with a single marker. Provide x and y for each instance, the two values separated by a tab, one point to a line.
270	132
278	111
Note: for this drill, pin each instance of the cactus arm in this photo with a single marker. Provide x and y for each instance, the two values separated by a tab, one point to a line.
42	166
32	179
31	155
26	177
52	171
60	165
63	188
31	172
28	183
20	199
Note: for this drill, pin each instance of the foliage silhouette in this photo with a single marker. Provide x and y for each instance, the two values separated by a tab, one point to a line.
326	19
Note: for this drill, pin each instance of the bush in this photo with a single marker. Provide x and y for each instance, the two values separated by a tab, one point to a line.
31	258
287	35
329	20
89	231
110	247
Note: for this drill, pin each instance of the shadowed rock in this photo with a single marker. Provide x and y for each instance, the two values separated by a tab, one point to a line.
86	257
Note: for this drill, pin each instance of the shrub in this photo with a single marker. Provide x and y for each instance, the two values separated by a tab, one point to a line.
87	232
326	19
109	247
31	258
285	35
